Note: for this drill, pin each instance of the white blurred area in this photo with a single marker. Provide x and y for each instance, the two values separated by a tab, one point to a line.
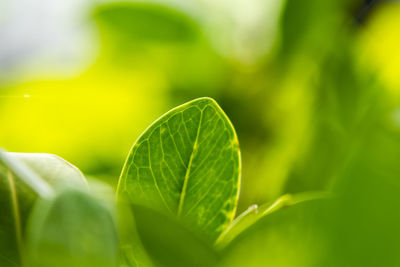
244	30
54	37
53	34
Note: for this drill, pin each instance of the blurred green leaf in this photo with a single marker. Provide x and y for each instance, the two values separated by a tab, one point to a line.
254	213
24	177
287	237
103	193
165	39
56	171
147	22
363	227
133	254
187	163
71	229
170	243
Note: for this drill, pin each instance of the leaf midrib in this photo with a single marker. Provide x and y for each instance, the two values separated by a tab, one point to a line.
187	173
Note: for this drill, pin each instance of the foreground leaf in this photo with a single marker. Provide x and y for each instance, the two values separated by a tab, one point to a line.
169	243
72	229
187	163
22	178
58	172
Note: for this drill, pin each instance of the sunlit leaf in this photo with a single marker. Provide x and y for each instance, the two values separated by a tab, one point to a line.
55	170
187	163
24	177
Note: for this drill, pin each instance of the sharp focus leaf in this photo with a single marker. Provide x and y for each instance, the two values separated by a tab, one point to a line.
71	229
22	178
187	163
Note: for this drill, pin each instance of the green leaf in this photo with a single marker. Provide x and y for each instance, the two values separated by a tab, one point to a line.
169	243
53	169
24	177
287	237
71	229
187	163
133	254
147	22
255	213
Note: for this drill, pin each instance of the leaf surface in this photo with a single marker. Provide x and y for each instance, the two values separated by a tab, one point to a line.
71	229
254	213
187	163
56	171
286	237
170	243
24	177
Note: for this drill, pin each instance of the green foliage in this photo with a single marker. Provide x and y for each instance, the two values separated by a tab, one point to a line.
187	163
254	213
295	230
24	177
169	243
312	89
180	182
72	229
146	22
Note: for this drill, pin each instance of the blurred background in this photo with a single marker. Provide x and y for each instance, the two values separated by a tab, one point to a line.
312	88
82	79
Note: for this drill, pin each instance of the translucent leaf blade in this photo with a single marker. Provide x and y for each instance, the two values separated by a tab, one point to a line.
187	163
22	178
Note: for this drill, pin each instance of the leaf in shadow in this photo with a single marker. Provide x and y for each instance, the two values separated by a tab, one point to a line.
287	237
71	229
169	243
255	213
